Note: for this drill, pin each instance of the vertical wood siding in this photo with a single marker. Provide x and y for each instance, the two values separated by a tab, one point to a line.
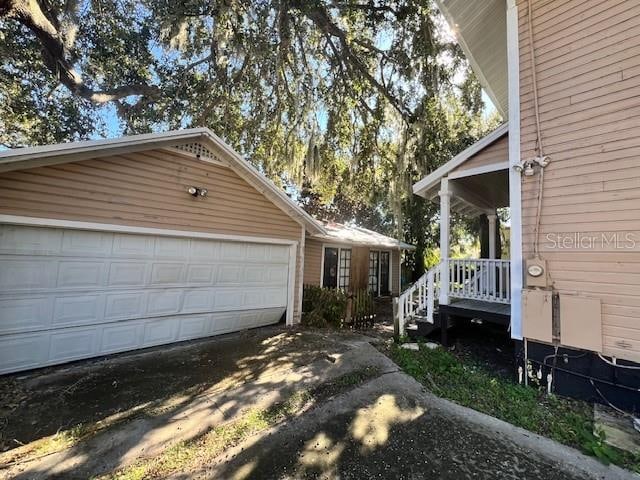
312	261
497	152
588	70
147	189
395	273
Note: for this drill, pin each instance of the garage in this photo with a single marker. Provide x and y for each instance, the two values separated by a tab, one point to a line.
72	293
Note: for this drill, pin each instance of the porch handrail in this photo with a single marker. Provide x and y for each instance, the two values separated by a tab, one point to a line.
480	279
420	296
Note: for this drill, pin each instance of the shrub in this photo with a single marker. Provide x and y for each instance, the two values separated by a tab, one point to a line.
323	307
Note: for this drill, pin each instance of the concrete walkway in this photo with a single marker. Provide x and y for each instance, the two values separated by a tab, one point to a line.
386	427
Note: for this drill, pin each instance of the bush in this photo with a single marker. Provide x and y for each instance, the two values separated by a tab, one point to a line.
323	307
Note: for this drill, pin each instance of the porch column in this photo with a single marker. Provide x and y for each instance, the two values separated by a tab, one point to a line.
445	206
492	234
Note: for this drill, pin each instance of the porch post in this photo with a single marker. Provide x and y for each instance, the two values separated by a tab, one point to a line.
445	205
492	235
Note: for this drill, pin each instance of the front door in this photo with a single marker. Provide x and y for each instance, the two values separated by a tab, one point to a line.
330	273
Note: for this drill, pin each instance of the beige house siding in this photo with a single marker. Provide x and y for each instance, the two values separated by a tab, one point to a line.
588	66
497	152
312	261
148	189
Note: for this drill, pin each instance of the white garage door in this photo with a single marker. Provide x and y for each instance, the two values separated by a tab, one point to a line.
70	294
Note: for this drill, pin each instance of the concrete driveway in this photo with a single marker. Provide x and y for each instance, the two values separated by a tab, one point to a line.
270	403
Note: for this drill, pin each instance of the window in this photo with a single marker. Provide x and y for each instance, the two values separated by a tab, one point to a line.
345	269
330	270
374	271
336	271
379	272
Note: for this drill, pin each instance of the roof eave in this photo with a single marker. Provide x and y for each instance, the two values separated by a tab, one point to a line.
423	186
342	241
475	65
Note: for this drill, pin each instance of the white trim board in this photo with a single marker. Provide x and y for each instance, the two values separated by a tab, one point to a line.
492	167
431	180
515	185
291	285
108	227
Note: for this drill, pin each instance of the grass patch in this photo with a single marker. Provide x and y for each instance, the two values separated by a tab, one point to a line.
188	455
471	385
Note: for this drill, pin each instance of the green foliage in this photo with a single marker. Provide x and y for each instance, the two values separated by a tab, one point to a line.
323	307
562	419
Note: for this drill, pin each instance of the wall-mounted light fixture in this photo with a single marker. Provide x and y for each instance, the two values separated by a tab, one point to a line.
526	167
197	191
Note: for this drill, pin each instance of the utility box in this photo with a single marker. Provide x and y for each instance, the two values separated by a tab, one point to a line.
581	322
537	273
537	315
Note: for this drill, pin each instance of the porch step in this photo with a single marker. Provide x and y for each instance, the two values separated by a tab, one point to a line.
421	327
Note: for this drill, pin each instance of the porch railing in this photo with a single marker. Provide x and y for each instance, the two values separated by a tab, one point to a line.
480	279
418	298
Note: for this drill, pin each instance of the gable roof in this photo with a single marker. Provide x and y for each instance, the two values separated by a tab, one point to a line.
423	186
30	157
355	235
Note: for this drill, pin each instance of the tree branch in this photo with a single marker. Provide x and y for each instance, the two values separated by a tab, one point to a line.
321	19
30	14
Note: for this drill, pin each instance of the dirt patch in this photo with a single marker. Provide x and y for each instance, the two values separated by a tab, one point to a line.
186	456
484	344
55	400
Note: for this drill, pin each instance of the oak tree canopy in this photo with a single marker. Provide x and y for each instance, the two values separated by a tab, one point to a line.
346	102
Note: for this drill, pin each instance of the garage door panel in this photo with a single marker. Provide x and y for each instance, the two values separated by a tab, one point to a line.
23	352
197	301
126	274
204	250
17	275
125	305
229	274
73	344
133	246
277	275
194	327
233	252
158	332
228	299
257	253
29	240
163	302
70	294
200	274
121	337
170	248
25	314
83	274
77	310
85	243
163	274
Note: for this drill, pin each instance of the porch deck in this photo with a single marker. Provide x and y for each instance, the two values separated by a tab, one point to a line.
489	311
498	313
